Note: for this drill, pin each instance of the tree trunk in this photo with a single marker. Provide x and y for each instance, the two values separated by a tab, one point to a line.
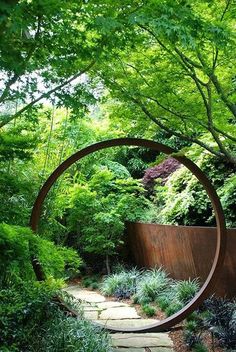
108	265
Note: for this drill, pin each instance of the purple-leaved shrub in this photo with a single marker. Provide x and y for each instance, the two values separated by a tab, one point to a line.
162	171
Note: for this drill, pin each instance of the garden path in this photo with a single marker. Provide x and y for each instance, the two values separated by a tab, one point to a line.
121	315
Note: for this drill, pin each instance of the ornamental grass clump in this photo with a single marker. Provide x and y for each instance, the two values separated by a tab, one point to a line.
148	310
152	284
122	284
186	290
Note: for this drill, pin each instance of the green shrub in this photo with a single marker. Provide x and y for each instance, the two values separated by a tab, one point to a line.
192	316
24	306
18	244
31	321
173	308
91	281
163	302
148	310
186	290
191	325
199	347
184	200
227	195
94	286
152	284
126	280
87	282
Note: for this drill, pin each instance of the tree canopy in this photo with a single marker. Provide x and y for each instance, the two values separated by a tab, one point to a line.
164	63
179	74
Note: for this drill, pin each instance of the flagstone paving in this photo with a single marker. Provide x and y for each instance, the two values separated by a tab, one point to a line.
127	323
121	315
85	295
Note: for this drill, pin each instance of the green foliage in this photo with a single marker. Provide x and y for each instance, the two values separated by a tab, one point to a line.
69	334
41	54
163	302
190	48
18	244
148	310
22	306
16	195
125	280
191	326
227	195
98	209
200	347
14	144
149	286
186	290
30	320
94	286
136	160
173	308
183	200
91	282
153	284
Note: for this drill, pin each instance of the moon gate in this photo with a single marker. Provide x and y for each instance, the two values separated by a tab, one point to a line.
211	280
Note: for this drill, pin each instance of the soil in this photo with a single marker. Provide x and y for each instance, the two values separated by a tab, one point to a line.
180	346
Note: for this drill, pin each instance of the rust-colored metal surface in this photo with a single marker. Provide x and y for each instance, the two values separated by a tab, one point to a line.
208	286
184	251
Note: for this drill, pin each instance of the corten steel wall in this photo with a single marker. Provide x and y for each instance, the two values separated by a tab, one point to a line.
185	252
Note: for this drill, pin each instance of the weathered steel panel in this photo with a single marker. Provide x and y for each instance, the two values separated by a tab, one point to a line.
184	251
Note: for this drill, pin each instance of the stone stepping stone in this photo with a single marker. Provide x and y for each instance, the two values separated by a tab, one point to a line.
90	308
119	313
141	340
127	323
111	304
85	295
153	349
91	314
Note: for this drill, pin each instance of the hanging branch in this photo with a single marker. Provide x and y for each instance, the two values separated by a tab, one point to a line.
8	118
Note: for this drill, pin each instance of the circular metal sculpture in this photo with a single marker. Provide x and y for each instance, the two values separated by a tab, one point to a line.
211	280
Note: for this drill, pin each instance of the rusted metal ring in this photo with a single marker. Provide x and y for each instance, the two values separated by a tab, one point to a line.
211	280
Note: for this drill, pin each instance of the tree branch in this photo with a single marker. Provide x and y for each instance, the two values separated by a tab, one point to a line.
225	134
223	153
45	95
16	76
225	10
212	129
187	60
175	133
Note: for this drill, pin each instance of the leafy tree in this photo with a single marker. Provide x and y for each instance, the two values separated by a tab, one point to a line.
47	47
179	74
97	210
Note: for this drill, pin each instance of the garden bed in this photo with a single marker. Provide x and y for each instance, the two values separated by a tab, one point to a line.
141	289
